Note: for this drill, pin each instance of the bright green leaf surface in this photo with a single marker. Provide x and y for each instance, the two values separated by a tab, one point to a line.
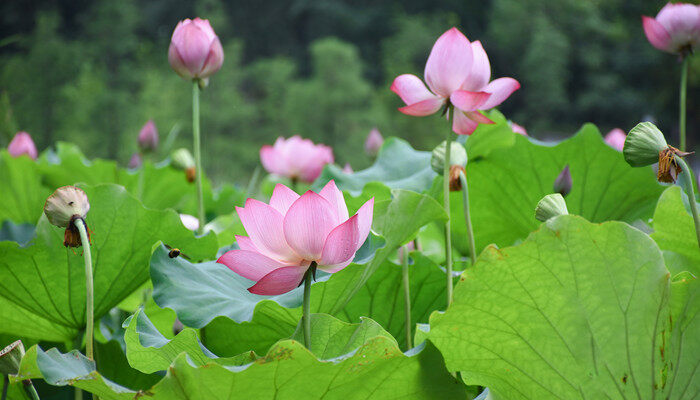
23	196
674	229
578	310
42	286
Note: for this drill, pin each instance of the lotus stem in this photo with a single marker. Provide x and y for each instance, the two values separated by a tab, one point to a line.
688	177
446	202
89	294
467	216
407	298
5	385
197	155
306	306
30	390
684	91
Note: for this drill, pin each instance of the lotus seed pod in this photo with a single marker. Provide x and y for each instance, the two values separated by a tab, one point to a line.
550	206
643	144
10	358
182	159
66	203
458	156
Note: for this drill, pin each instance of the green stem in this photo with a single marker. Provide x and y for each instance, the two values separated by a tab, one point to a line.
688	176
30	390
446	202
467	216
306	306
89	294
684	89
253	183
77	393
407	298
197	154
5	386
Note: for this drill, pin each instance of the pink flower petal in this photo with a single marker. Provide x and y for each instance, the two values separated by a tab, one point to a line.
411	89
279	281
616	139
341	244
244	243
469	101
364	220
249	264
448	63
500	90
423	108
264	227
214	60
283	198
478	117
193	45
269	160
656	34
307	224
463	125
332	269
334	196
480	72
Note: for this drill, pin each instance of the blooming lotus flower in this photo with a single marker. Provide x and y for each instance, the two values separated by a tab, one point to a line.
292	232
148	137
190	222
616	139
676	28
517	128
457	73
195	51
373	142
22	143
296	158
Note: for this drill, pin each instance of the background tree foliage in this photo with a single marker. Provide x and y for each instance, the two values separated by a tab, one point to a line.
93	72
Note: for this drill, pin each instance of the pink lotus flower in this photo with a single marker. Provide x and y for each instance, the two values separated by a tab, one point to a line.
373	142
22	143
195	51
616	138
292	232
457	73
676	28
347	169
148	137
296	158
135	161
517	128
190	222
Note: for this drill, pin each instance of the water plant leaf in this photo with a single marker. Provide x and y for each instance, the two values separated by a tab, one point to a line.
674	229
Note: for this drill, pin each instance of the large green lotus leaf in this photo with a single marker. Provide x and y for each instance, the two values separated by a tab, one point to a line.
505	186
578	310
148	351
488	137
23	196
682	349
20	233
42	286
113	365
398	166
376	369
674	229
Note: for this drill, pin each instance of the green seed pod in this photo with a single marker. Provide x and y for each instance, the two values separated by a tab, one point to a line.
643	144
550	206
10	358
458	156
182	159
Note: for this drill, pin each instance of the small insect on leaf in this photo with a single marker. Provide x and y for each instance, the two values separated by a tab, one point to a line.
175	252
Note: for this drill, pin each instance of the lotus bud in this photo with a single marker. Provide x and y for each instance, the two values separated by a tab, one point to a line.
64	206
182	159
177	327
148	137
190	222
135	161
10	358
550	206
517	128
458	162
374	142
195	51
22	143
563	183
646	145
347	169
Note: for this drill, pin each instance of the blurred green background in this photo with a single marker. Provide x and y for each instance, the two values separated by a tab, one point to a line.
93	72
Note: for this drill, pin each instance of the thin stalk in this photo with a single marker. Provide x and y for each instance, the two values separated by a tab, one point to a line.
684	90
77	393
5	386
306	306
467	216
446	202
688	176
30	390
89	294
253	183
197	155
407	298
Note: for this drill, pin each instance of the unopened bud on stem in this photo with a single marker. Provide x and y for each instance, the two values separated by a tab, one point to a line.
563	183
458	156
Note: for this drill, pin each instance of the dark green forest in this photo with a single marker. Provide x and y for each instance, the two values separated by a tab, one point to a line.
93	72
